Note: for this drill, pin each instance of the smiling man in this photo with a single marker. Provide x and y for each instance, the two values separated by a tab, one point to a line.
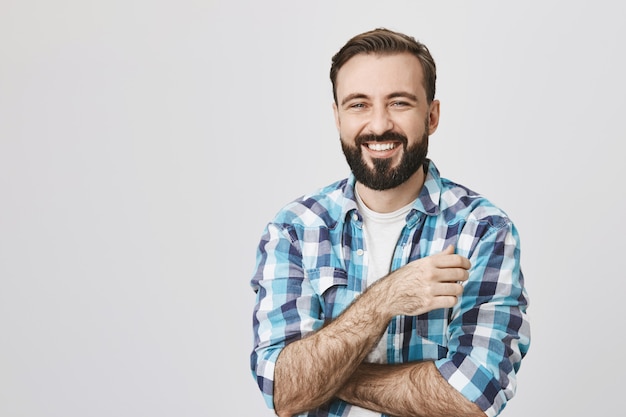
394	291
384	119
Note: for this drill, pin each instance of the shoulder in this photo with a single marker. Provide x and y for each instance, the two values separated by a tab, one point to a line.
460	202
324	207
457	203
478	222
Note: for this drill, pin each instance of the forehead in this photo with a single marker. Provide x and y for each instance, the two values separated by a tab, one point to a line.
371	73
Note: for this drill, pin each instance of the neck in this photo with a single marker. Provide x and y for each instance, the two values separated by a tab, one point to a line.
386	201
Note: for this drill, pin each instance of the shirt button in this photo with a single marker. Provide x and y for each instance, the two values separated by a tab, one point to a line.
355	217
359	252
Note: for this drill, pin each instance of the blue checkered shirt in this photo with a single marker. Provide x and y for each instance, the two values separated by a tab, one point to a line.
310	267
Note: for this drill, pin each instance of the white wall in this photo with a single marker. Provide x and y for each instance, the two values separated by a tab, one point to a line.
144	144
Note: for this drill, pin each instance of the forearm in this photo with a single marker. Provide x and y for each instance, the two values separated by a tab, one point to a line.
411	389
309	372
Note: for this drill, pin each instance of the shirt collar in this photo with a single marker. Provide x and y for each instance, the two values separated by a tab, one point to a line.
427	202
429	198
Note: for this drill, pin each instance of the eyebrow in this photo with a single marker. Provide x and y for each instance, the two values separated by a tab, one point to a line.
395	94
353	96
403	94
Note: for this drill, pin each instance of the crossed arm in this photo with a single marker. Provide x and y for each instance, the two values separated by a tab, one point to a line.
328	363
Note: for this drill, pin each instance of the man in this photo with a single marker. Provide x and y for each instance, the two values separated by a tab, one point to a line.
394	291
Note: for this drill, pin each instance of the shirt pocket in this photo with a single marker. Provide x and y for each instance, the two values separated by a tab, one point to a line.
330	284
426	349
429	336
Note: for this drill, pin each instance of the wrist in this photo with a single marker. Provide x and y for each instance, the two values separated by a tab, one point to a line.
376	297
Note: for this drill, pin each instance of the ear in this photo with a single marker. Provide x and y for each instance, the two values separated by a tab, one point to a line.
433	117
336	113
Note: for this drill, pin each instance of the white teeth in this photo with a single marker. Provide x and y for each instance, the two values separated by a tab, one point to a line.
380	146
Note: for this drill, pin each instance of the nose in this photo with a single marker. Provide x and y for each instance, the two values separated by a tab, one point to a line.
380	121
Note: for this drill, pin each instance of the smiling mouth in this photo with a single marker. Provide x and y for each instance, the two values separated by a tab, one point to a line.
377	146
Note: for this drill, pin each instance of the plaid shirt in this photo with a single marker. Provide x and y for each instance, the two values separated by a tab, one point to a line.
312	263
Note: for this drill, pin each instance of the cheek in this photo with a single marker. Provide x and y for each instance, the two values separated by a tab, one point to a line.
350	127
413	128
346	131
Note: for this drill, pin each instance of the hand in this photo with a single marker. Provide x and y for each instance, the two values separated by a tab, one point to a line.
424	285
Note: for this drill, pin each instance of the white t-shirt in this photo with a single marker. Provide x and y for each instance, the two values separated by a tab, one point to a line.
382	231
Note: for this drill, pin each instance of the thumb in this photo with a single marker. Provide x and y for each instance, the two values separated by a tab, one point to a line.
449	250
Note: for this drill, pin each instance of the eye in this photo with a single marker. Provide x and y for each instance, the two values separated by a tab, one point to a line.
356	107
399	104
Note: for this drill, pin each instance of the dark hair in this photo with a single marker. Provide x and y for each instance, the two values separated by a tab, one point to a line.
384	41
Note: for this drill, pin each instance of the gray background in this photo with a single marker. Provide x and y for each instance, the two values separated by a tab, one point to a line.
145	144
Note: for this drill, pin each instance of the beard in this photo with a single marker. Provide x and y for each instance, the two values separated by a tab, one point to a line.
382	176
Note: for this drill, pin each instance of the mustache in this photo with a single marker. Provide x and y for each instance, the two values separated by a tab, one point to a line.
385	137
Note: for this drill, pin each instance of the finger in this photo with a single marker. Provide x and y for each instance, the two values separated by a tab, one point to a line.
450	289
449	250
444	301
453	275
447	259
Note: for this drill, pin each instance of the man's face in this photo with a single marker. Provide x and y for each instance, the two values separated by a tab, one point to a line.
383	118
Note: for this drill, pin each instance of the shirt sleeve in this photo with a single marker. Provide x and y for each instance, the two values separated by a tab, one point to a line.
286	307
489	333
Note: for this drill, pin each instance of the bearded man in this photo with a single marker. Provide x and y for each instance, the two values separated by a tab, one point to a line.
394	291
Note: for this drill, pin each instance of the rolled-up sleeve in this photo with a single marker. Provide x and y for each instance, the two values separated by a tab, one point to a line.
489	333
286	307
